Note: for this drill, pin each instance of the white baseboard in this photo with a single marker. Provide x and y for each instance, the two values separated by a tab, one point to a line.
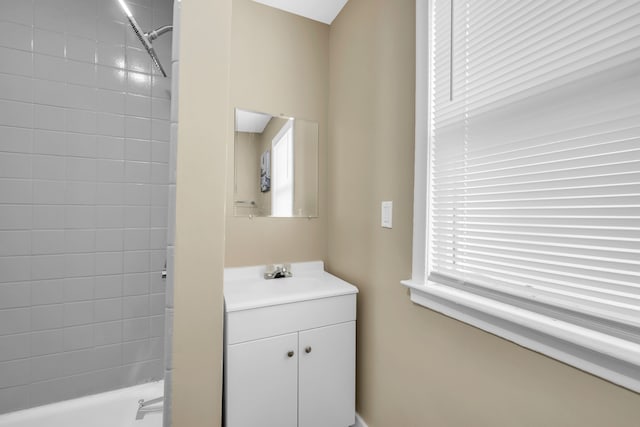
359	421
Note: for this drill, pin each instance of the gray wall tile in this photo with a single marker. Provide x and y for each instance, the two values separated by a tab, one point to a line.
107	333
15	165
16	62
20	11
16	217
108	263
80	216
15	269
47	342
107	286
78	289
47	216
136	284
79	265
47	267
47	317
156	304
106	310
109	356
78	337
14	295
16	113
135	306
48	192
16	140
14	347
99	381
15	321
77	362
136	261
136	351
14	373
44	392
45	292
47	242
47	367
14	399
15	88
78	313
48	42
135	329
157	326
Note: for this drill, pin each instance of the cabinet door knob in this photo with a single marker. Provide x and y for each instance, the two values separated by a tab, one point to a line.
307	350
290	354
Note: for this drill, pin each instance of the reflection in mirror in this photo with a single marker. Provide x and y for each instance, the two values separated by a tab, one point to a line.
276	166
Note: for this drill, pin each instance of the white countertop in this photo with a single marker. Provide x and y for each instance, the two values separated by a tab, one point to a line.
245	287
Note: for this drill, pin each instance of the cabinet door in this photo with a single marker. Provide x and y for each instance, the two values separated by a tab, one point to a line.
327	376
262	383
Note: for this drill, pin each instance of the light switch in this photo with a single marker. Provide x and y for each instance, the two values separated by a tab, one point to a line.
387	214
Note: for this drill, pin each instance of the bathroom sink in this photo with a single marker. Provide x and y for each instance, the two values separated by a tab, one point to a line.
245	288
257	307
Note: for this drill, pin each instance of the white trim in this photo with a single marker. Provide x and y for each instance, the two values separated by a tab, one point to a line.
422	131
583	348
283	130
611	358
287	128
359	421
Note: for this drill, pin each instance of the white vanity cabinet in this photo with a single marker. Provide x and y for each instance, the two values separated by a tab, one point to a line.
290	350
262	382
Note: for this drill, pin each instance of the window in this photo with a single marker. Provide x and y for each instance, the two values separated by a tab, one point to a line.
282	185
527	186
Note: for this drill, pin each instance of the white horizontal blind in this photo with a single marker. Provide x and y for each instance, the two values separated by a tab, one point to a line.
535	151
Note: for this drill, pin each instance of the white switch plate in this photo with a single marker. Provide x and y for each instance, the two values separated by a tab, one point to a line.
387	215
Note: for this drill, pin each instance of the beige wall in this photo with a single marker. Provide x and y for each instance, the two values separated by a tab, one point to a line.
305	197
204	117
279	65
246	186
415	367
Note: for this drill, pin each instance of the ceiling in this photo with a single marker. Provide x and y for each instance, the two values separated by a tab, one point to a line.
318	10
248	121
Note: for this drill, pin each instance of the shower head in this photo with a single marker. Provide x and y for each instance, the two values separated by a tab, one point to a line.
146	38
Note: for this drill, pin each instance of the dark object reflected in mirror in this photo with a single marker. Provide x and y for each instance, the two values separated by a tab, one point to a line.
276	166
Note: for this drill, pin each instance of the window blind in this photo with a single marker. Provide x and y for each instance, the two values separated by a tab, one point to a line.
535	152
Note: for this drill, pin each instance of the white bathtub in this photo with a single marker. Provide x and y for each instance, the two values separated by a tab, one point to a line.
112	409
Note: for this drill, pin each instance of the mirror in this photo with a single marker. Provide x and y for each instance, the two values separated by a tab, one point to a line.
276	166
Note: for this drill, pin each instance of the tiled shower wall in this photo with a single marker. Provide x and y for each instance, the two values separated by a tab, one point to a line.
84	151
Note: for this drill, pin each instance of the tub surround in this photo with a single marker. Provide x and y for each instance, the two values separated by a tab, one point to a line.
84	131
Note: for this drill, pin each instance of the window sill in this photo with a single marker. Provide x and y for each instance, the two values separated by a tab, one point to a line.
611	358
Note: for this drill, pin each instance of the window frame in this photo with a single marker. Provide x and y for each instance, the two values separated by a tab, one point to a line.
287	131
597	353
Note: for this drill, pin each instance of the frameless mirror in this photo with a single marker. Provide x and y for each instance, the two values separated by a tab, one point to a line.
276	166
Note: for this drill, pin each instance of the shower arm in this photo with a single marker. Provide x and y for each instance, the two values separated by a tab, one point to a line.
146	38
158	32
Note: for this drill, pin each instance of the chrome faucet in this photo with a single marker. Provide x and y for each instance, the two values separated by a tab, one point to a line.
278	271
144	407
